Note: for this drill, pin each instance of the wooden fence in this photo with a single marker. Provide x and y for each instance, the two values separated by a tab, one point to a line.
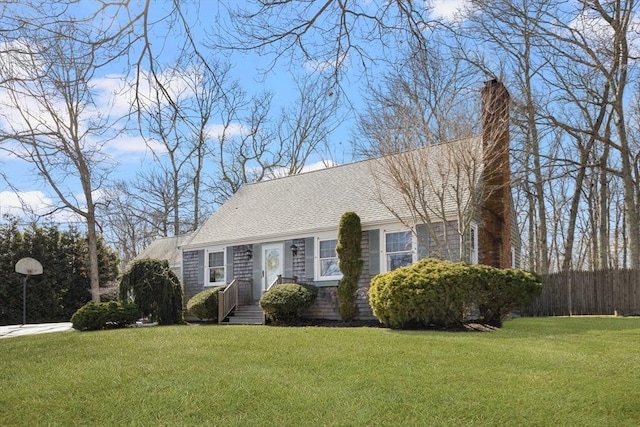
588	292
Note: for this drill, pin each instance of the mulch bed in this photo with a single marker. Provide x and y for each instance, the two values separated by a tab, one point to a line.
325	323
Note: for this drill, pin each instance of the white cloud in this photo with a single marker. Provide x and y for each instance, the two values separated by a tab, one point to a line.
16	203
447	10
321	66
35	204
216	130
115	95
322	164
132	147
599	34
29	204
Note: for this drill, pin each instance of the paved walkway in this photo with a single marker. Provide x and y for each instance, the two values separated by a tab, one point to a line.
30	329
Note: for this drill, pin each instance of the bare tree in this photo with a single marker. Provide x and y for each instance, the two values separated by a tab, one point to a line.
207	82
570	66
594	77
327	35
125	222
426	103
245	150
304	128
510	27
51	119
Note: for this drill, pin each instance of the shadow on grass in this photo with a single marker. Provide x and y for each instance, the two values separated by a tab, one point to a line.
563	325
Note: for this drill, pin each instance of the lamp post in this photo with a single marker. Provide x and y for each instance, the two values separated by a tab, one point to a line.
28	267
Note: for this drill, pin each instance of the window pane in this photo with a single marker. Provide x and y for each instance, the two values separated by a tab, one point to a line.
398	242
216	274
329	267
328	248
216	259
399	260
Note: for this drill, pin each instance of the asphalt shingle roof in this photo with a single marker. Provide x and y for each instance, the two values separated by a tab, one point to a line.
165	248
314	201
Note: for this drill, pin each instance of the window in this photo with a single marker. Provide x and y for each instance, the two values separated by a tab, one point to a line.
513	258
398	249
473	244
328	260
215	267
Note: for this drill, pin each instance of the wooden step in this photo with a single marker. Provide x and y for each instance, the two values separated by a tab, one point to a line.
246	315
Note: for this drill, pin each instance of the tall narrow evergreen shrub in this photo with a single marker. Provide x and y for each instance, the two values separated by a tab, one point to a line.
350	264
155	289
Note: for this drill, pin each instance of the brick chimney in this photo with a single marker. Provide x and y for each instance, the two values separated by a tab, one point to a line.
494	234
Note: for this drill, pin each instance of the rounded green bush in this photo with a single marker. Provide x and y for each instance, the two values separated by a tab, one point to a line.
204	305
427	292
285	302
96	316
444	293
501	291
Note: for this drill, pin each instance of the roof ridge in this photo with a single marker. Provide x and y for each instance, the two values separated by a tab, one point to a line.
359	161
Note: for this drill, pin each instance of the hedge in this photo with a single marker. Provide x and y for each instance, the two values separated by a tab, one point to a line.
106	315
444	293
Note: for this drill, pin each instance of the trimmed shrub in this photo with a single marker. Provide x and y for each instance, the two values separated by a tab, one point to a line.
350	263
427	292
96	316
284	303
443	293
155	289
502	291
204	305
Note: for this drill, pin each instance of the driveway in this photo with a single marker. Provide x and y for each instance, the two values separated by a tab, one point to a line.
31	329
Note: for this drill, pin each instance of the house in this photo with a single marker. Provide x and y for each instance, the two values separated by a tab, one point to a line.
288	226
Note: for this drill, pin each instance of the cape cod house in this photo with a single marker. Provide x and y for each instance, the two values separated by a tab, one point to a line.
287	227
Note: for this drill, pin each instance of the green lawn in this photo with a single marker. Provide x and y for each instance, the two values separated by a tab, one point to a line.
541	371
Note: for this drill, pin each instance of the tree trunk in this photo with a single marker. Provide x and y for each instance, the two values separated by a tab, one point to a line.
92	241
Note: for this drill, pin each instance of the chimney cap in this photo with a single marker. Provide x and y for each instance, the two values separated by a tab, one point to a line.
491	82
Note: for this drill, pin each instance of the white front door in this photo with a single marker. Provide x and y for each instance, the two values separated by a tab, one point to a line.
272	265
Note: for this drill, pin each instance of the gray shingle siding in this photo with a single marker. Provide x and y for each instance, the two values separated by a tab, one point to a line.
242	264
192	273
242	267
299	262
373	242
447	244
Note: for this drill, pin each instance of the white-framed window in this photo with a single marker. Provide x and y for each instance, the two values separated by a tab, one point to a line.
398	249
513	258
473	244
215	267
327	260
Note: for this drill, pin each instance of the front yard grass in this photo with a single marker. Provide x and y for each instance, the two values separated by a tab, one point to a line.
535	371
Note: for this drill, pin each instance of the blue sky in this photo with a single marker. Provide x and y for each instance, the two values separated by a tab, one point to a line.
129	153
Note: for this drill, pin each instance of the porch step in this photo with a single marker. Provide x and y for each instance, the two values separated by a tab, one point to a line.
246	315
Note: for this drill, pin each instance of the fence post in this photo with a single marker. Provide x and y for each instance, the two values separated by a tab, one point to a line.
569	280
